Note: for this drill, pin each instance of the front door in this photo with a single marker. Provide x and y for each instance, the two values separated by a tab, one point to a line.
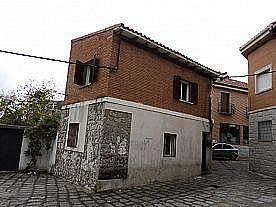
204	152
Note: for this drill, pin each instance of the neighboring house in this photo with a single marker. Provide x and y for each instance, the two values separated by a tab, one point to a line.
141	115
260	52
229	112
12	150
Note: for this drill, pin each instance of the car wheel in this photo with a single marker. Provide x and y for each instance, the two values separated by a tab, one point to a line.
233	157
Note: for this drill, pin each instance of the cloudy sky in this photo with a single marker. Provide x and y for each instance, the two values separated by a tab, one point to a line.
210	32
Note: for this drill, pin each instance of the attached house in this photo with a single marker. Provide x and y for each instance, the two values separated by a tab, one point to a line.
229	112
260	51
135	112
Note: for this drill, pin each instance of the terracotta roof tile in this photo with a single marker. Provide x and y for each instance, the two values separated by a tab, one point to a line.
233	83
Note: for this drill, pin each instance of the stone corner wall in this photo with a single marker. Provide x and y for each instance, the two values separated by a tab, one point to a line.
106	148
81	167
115	145
262	155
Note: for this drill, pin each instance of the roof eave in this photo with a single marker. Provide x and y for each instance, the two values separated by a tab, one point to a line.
258	40
141	39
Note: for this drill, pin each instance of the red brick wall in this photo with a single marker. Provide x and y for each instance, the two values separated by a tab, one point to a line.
147	78
239	99
261	57
142	77
84	50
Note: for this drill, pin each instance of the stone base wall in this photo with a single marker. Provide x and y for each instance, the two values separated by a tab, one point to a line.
81	167
115	145
262	155
106	148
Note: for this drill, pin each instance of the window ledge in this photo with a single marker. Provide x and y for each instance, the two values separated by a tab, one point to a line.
261	92
73	149
188	102
173	156
85	86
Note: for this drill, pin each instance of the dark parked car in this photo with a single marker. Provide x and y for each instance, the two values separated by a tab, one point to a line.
224	151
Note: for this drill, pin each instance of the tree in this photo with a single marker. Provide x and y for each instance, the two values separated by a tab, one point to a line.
31	105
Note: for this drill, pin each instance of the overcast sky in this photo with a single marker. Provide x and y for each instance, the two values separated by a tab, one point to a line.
209	32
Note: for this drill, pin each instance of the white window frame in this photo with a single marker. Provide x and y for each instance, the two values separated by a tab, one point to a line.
173	145
78	114
67	136
188	91
264	69
87	77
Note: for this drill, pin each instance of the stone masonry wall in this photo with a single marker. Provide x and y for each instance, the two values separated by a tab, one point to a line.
262	155
77	167
106	148
115	145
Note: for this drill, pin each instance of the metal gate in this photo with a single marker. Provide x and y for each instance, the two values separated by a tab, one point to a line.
10	147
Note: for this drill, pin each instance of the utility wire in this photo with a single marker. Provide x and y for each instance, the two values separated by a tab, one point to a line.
250	75
107	67
52	59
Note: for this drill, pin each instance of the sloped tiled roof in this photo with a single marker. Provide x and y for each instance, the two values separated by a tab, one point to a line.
141	39
233	83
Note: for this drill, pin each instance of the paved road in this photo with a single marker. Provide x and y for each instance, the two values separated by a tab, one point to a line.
230	184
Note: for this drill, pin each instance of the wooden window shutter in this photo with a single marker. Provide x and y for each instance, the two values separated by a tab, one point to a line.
176	87
194	93
80	72
93	71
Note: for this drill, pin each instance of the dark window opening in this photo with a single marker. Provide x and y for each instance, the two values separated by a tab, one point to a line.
230	133
265	131
225	106
245	135
185	90
73	135
169	145
85	73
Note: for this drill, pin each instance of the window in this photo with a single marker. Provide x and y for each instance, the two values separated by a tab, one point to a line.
263	80
169	145
225	102
217	146
245	135
73	135
230	133
265	131
227	146
184	90
85	73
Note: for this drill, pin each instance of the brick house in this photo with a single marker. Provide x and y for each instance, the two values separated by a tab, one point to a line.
229	112
260	51
140	115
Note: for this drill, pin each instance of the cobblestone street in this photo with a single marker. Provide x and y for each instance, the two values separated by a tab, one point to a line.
230	184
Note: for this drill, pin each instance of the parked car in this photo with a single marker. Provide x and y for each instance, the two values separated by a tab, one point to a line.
224	151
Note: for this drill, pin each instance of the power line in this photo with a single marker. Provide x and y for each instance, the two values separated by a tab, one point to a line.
107	67
250	75
52	59
37	57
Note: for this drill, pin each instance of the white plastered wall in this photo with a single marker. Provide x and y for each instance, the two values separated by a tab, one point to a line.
146	162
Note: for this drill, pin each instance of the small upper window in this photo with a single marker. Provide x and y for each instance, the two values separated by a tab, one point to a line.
169	145
185	91
85	73
73	132
263	79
